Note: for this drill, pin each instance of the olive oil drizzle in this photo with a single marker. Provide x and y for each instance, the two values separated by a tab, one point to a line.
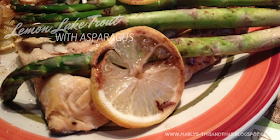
24	112
210	89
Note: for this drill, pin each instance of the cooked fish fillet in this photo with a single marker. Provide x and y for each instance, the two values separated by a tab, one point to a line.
195	64
32	49
68	106
65	99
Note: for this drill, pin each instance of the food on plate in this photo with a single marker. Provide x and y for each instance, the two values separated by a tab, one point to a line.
111	11
49	89
228	45
134	75
222	3
115	10
188	48
31	50
43	6
62	7
192	65
164	20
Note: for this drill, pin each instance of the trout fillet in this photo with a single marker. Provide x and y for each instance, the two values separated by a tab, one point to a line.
65	99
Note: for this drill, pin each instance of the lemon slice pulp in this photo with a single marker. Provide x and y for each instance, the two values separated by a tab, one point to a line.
137	77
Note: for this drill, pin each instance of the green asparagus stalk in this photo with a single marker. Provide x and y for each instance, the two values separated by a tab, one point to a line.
108	3
100	4
228	45
168	19
126	9
226	3
54	17
112	11
188	47
59	64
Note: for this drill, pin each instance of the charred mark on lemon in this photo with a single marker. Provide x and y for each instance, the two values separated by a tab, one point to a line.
164	105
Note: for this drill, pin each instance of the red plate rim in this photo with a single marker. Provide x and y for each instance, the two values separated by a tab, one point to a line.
262	73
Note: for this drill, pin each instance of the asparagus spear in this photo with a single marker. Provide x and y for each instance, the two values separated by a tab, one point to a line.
126	9
54	17
229	45
59	64
112	11
169	19
108	3
188	47
225	3
100	4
